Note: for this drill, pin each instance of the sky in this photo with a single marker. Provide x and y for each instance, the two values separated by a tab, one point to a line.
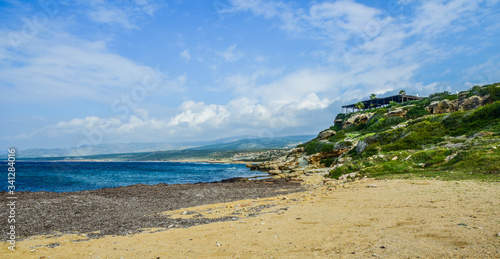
76	73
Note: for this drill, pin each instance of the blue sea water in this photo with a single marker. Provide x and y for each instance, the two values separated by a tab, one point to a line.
80	176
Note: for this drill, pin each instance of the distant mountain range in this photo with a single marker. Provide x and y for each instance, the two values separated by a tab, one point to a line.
224	144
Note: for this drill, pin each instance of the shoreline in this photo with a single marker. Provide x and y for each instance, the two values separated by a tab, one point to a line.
130	209
391	219
148	161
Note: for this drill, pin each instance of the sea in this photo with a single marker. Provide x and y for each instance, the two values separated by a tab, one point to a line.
81	176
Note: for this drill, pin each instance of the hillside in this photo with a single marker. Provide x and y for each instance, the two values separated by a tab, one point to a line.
123	148
225	150
448	136
258	143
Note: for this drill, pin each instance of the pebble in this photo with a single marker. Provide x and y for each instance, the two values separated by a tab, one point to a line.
498	234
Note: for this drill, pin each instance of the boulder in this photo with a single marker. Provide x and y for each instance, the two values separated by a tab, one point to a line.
357	119
471	103
432	108
462	103
316	158
274	172
445	106
296	150
274	167
399	112
326	134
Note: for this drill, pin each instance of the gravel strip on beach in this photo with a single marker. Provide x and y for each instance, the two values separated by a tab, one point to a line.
127	210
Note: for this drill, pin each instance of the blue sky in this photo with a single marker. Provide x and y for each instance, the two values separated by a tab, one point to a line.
74	73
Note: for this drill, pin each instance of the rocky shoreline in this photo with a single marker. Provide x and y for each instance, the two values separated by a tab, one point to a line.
131	209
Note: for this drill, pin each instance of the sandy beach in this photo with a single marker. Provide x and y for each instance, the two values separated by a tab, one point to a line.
367	218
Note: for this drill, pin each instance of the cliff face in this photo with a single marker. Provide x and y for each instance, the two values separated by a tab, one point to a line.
442	132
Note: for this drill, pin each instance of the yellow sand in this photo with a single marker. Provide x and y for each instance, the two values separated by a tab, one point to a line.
396	219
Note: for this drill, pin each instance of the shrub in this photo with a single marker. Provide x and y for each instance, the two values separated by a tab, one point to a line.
389	167
477	161
431	157
443	95
414	136
345	169
336	127
381	123
315	146
459	123
328	161
416	112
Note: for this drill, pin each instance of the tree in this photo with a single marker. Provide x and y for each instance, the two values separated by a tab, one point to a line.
403	93
360	106
373	96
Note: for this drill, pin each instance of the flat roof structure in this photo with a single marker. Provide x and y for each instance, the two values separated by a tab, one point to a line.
380	102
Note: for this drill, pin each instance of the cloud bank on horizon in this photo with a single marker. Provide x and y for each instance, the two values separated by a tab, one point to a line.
74	73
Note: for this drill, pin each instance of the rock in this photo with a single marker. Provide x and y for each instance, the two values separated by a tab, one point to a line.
357	119
471	103
399	112
372	186
249	165
296	150
450	157
453	145
432	108
445	106
316	158
361	146
274	172
326	134
274	167
395	158
462	103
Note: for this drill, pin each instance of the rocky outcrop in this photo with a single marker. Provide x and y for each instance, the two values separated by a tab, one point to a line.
460	104
286	163
357	119
316	158
326	134
399	112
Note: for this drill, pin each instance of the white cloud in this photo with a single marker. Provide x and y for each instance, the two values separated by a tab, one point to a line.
124	14
57	66
112	16
185	55
433	17
231	54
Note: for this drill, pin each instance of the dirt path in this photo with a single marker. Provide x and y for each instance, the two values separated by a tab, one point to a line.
396	219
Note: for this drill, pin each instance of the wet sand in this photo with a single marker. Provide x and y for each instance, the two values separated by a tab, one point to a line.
395	219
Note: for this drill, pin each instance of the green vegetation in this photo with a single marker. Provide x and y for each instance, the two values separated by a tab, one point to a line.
458	145
316	146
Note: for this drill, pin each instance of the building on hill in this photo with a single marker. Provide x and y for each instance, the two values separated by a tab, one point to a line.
379	102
